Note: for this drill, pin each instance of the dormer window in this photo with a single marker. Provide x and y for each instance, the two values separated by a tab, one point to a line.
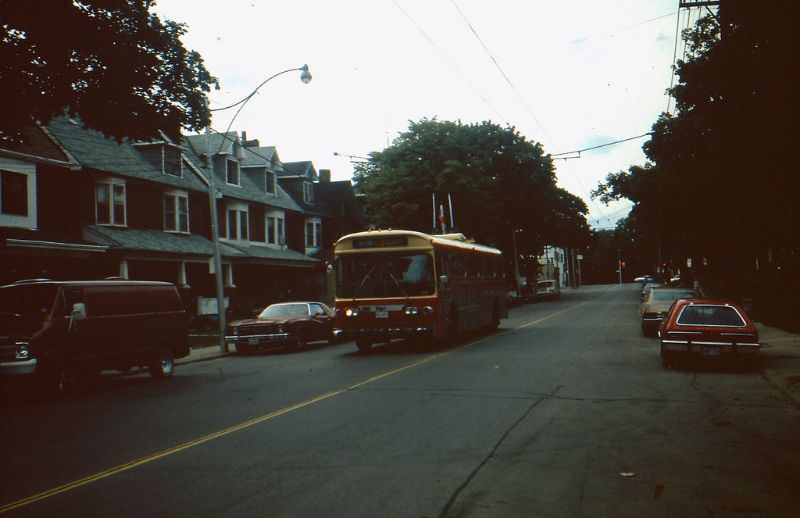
173	160
269	182
308	192
232	172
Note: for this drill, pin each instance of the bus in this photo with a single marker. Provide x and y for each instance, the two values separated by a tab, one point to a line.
406	284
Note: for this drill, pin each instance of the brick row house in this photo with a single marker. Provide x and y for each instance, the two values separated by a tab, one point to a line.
77	205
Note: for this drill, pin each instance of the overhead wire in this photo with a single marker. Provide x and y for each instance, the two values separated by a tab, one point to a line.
451	63
502	72
518	95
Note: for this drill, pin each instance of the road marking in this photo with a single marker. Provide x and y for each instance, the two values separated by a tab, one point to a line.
252	422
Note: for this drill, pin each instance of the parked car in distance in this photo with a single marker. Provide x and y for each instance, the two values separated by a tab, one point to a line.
646	287
547	290
57	331
707	328
290	325
644	278
656	304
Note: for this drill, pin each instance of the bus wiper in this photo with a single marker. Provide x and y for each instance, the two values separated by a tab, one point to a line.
363	282
400	286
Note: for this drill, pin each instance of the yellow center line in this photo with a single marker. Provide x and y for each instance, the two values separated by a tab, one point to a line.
252	422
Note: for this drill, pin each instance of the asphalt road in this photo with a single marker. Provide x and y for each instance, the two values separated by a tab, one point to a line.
565	411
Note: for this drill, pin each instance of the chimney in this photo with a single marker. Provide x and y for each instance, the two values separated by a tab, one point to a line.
244	137
324	176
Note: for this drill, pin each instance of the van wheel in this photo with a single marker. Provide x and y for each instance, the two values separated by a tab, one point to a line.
162	365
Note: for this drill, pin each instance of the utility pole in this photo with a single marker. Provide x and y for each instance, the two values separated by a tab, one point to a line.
619	264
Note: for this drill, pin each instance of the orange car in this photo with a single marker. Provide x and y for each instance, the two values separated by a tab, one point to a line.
707	328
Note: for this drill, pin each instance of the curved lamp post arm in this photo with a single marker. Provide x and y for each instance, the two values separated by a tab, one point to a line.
305	76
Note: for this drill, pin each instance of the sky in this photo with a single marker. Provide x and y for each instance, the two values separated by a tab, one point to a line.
571	74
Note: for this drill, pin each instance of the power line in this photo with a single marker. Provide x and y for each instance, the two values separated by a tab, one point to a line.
579	151
674	57
502	72
450	62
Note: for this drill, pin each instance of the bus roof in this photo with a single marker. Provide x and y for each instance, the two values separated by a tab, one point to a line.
448	240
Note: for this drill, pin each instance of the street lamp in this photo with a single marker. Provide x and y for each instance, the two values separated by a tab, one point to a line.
305	77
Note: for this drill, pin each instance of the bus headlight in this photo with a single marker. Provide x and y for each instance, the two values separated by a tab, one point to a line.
411	310
427	310
351	312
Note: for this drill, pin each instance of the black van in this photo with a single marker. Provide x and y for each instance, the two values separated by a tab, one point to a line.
55	331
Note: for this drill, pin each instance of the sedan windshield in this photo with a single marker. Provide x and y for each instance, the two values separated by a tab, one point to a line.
384	275
285	310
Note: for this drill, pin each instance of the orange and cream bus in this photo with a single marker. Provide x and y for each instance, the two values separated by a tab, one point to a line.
405	284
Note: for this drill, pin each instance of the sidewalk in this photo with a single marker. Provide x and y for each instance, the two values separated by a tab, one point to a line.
199	354
780	359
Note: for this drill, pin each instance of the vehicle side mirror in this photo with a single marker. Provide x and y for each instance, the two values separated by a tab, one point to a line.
78	313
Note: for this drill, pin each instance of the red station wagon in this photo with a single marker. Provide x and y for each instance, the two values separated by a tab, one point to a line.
707	328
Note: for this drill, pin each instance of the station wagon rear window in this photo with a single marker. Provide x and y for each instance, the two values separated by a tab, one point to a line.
702	315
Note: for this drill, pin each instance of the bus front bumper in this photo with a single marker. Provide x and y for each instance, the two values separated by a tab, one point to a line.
388	333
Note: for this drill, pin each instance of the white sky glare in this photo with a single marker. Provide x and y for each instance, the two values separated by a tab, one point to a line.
583	73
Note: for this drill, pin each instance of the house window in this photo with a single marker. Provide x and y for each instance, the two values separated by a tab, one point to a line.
275	228
308	192
18	196
313	231
237	227
232	172
269	182
110	203
176	212
173	161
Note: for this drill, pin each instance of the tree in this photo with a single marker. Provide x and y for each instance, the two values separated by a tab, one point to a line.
720	183
119	67
499	181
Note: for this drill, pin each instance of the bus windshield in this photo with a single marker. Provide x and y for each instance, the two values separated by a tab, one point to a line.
384	275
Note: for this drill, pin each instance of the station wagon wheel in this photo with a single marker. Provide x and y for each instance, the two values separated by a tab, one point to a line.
162	365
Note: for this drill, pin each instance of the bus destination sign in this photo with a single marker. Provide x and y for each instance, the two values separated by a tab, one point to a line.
380	242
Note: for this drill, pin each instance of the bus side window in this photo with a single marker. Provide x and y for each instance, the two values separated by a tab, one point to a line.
457	265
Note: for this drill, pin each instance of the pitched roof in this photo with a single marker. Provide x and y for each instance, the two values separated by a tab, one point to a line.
304	168
252	181
94	150
264	156
156	241
151	240
219	143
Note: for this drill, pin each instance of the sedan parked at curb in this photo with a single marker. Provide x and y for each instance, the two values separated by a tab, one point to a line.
290	325
707	328
656	304
547	290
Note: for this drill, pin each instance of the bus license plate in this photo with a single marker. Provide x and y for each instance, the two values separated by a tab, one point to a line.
711	351
252	341
381	314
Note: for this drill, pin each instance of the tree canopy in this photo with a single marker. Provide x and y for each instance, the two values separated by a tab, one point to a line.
498	180
720	183
118	66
